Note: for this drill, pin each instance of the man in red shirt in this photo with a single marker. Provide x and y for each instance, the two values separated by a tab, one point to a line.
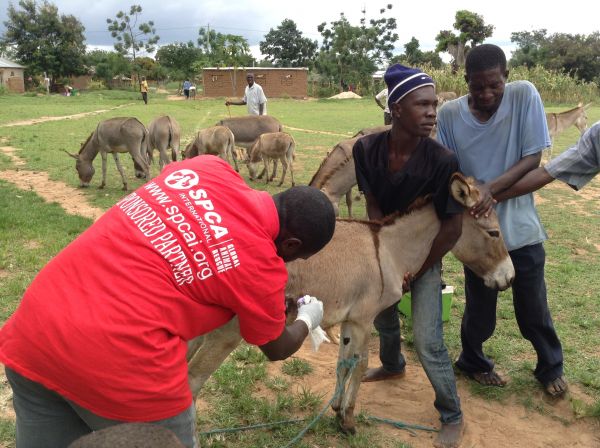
101	334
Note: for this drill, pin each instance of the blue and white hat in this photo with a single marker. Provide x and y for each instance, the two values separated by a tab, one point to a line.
402	80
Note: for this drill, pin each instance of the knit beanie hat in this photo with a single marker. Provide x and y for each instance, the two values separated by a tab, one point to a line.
402	80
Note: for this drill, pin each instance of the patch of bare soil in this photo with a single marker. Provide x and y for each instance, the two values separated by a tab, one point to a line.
310	131
410	400
345	96
70	199
175	97
63	117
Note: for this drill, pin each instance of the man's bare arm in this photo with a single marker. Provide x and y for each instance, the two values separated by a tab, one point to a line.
532	181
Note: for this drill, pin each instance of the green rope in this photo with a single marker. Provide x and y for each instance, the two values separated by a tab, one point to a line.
350	365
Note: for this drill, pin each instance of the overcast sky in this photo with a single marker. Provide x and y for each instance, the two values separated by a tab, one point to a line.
179	21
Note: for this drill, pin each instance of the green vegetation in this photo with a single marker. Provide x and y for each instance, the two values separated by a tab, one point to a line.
244	392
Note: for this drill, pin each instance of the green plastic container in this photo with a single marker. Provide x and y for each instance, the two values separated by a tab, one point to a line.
447	293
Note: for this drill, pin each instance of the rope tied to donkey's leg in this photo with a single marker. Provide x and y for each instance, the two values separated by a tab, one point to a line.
350	365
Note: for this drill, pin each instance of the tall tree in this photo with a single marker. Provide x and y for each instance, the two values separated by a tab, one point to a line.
132	38
285	46
107	64
349	53
413	55
180	58
576	54
472	31
44	41
226	50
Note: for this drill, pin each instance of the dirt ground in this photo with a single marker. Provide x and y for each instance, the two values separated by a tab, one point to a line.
410	400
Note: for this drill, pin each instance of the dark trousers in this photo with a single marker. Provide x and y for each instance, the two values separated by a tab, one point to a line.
145	97
531	311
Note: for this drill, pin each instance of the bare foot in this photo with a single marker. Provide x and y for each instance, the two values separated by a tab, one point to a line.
490	378
380	374
557	387
450	436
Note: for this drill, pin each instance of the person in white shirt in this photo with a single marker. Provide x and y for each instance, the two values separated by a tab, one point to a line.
254	98
381	100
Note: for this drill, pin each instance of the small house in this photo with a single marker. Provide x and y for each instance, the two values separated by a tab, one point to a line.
12	75
276	82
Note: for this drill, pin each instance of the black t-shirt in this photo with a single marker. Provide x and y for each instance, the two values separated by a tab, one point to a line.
427	172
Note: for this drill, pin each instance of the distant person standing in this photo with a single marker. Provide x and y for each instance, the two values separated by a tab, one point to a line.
186	88
254	98
381	100
193	91
144	89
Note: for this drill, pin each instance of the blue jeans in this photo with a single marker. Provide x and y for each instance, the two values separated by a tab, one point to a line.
531	311
426	302
46	419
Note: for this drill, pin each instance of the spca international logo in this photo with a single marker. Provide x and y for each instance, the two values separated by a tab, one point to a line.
182	179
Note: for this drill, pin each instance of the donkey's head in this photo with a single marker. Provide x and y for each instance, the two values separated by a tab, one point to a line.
481	246
253	158
84	166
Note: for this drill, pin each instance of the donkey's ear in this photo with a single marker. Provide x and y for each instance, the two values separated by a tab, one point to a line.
75	156
462	191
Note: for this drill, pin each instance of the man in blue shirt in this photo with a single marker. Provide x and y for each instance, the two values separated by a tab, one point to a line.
498	132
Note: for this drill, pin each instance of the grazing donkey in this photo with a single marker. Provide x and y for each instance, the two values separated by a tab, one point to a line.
216	140
272	146
360	272
115	135
164	133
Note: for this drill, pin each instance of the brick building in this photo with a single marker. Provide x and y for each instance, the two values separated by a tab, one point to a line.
276	82
11	75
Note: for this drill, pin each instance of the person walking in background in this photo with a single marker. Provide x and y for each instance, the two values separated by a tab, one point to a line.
393	169
498	131
91	346
254	98
186	88
144	89
381	100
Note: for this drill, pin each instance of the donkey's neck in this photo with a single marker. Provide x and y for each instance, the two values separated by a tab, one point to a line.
89	150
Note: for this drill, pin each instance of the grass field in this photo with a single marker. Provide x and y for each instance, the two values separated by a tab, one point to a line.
32	231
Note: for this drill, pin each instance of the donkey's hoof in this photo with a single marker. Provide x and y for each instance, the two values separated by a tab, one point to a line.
125	187
345	428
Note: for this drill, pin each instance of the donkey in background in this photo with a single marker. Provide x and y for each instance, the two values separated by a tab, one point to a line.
114	136
558	122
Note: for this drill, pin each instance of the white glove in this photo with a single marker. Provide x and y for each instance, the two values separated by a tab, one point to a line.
310	311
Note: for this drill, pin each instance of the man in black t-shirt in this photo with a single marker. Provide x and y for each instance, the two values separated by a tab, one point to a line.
393	168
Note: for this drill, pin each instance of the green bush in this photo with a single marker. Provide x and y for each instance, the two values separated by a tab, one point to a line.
3	90
96	85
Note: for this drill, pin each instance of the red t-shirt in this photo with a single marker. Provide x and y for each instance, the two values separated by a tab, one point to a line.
106	322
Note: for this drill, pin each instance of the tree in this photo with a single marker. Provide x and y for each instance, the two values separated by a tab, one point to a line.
180	59
350	54
226	50
472	31
575	54
44	41
285	46
132	40
415	57
107	64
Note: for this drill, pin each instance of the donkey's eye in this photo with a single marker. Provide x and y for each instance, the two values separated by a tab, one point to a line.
494	233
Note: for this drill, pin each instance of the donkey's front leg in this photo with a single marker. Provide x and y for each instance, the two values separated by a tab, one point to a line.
353	356
121	170
104	156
